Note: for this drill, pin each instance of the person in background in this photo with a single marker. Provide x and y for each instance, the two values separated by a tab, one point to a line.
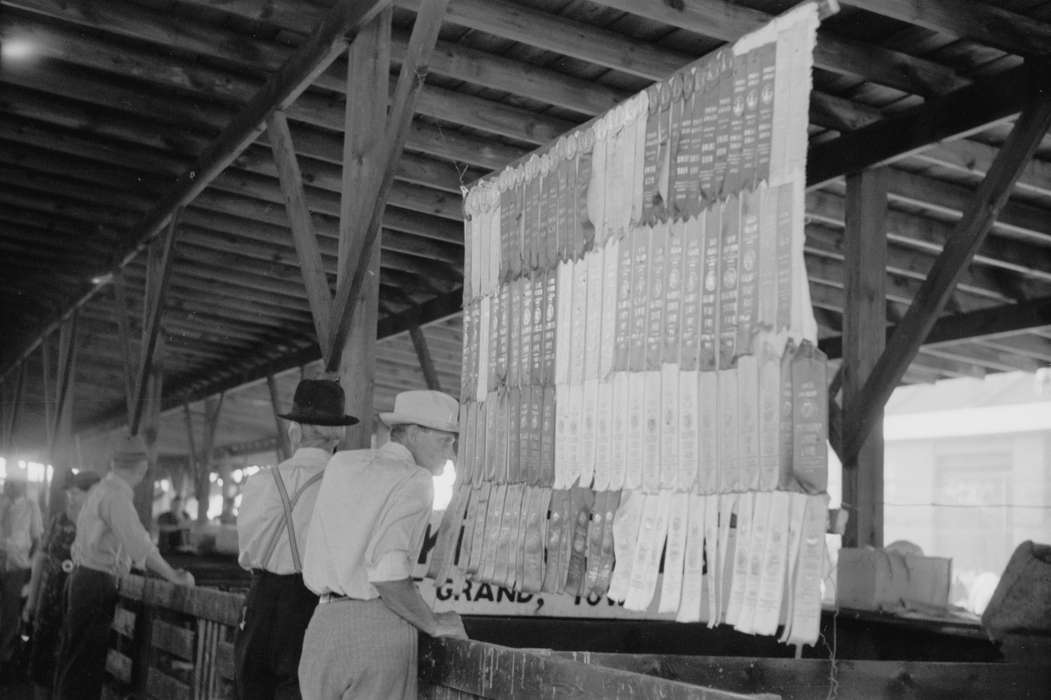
174	527
363	543
52	565
110	538
228	515
20	529
276	505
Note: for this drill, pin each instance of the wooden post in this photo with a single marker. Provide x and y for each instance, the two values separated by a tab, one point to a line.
368	75
45	374
423	353
357	267
202	485
284	450
864	330
151	415
157	275
58	449
124	338
16	405
968	235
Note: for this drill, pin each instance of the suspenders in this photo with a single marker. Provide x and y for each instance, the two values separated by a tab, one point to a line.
289	505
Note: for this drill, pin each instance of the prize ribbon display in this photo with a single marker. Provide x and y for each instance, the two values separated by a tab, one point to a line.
644	408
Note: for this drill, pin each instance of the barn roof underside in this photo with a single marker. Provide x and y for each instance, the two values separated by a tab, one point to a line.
126	95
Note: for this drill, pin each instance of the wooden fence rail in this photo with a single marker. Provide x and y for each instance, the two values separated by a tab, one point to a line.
173	642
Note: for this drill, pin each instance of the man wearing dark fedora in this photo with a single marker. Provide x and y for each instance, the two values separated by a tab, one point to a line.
276	508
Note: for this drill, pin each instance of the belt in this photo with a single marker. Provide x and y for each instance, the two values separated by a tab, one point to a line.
335	597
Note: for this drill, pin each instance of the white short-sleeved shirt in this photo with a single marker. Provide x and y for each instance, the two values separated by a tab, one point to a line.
262	514
369	521
20	526
110	536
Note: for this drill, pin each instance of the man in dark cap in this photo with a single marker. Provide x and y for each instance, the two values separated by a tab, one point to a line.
110	539
276	506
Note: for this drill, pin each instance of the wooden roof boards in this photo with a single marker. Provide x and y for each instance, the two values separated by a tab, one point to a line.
105	125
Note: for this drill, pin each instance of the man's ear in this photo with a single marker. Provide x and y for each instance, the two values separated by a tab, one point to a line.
295	433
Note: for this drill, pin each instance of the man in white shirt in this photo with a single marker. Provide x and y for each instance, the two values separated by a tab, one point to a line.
363	543
276	506
20	529
110	539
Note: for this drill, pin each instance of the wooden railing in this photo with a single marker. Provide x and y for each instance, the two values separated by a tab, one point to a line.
172	642
176	643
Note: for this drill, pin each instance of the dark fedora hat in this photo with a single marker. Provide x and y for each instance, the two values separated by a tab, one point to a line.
319	402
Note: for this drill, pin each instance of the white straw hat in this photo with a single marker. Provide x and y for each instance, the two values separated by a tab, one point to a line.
431	409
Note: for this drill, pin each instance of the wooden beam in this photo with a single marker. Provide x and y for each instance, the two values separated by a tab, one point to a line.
62	428
281	90
990	322
158	274
67	351
45	376
150	429
419	342
864	321
365	164
815	679
291	356
483	670
953	115
124	339
318	293
982	22
16	405
410	80
730	21
967	237
283	449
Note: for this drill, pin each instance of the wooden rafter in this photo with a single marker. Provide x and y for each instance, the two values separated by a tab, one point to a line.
990	322
294	76
968	235
730	21
953	115
318	293
423	353
979	21
410	80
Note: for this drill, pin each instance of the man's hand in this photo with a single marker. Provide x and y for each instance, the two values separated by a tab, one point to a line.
450	625
183	578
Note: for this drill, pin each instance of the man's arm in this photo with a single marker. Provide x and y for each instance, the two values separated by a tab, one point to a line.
156	563
36	574
404	600
125	524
